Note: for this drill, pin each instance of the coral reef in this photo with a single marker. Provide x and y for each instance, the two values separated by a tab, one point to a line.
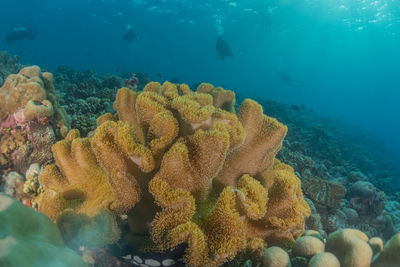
29	238
8	65
85	96
140	174
189	168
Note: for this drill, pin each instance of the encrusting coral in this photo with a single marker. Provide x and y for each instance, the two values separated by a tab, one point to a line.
189	169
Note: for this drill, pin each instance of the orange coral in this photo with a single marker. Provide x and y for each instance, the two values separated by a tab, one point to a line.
219	235
286	210
193	171
224	99
94	174
263	140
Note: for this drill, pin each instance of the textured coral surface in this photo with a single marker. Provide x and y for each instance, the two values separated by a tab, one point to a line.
33	92
189	169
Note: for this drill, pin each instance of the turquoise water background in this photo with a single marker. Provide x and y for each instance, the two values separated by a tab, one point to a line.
343	57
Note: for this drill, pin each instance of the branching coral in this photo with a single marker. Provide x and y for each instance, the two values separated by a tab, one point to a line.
191	170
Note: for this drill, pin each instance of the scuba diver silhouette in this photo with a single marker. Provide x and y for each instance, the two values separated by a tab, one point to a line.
223	48
21	33
129	35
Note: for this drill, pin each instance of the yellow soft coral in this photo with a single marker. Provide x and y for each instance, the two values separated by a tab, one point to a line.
263	140
224	99
94	174
188	167
219	235
283	221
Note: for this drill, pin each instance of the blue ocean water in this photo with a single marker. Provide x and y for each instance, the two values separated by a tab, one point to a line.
340	58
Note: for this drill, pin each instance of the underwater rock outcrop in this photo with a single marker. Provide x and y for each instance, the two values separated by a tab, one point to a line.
187	168
29	238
